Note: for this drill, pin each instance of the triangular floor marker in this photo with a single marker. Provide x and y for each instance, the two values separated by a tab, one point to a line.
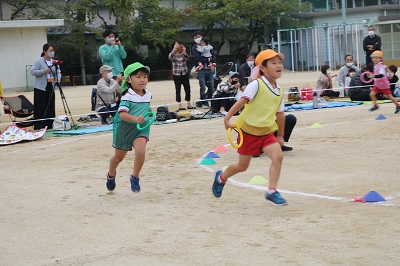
316	125
211	154
258	180
207	161
373	196
221	148
381	117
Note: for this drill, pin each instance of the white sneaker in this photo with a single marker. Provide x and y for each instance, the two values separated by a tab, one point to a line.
205	106
224	113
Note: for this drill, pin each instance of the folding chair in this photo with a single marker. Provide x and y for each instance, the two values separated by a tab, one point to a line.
18	107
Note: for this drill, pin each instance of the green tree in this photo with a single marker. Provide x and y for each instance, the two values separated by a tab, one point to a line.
242	22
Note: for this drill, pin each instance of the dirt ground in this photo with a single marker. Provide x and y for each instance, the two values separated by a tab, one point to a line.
56	210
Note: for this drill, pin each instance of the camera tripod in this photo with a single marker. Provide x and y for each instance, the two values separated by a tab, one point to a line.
56	85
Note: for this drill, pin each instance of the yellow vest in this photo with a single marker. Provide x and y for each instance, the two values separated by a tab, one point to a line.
258	116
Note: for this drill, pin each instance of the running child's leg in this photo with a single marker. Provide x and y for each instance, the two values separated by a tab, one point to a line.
372	95
274	152
117	158
394	100
240	166
139	146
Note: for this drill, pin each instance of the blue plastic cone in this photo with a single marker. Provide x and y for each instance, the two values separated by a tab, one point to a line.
211	154
373	196
381	117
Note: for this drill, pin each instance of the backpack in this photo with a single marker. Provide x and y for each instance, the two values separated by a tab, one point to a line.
162	113
294	94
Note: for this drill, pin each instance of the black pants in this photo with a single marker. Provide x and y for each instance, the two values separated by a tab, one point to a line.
106	112
226	103
43	100
290	122
330	94
179	81
364	96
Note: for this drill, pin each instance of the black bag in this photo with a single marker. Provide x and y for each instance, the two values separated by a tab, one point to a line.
162	113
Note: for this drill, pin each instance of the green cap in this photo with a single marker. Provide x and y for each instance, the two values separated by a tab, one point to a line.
129	70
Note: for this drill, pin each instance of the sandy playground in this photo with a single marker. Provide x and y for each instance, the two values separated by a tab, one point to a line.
56	210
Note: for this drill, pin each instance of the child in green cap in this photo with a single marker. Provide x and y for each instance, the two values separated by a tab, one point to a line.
135	102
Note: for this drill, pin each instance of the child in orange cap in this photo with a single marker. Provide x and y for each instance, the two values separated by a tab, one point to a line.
263	100
381	81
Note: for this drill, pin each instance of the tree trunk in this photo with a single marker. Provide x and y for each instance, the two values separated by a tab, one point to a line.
82	61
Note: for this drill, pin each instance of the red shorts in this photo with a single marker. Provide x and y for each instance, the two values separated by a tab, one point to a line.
384	91
252	145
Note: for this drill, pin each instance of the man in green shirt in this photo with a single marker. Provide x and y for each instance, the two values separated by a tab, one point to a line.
112	52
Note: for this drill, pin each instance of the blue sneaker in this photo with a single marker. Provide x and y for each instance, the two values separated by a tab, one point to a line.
373	108
135	187
110	184
217	187
276	198
397	110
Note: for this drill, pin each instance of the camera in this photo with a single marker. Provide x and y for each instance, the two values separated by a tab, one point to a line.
116	40
57	62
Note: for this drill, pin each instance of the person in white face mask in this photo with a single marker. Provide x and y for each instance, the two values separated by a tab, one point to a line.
112	52
324	82
245	69
371	43
46	73
344	70
108	91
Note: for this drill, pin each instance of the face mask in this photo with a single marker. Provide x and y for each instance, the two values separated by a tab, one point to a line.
198	40
329	72
349	64
351	74
250	63
109	40
371	33
110	75
234	82
51	54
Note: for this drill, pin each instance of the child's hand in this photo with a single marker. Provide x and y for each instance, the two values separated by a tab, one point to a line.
281	140
140	119
227	123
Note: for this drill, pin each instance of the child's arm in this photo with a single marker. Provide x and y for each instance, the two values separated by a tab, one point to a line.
131	118
280	120
234	109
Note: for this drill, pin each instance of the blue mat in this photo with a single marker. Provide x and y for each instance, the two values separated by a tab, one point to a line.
84	130
309	106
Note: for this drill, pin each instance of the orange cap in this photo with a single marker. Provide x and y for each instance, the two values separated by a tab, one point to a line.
267	54
377	54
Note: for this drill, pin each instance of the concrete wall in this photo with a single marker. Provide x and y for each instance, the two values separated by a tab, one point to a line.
21	45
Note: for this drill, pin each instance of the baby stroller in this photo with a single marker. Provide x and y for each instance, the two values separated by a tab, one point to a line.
18	107
221	73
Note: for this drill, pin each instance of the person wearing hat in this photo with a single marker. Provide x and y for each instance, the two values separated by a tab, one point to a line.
245	69
135	103
225	90
108	90
264	101
381	82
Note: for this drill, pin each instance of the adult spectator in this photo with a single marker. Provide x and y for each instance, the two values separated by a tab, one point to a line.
46	74
108	90
180	73
112	52
324	82
371	43
245	69
226	89
204	75
344	70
